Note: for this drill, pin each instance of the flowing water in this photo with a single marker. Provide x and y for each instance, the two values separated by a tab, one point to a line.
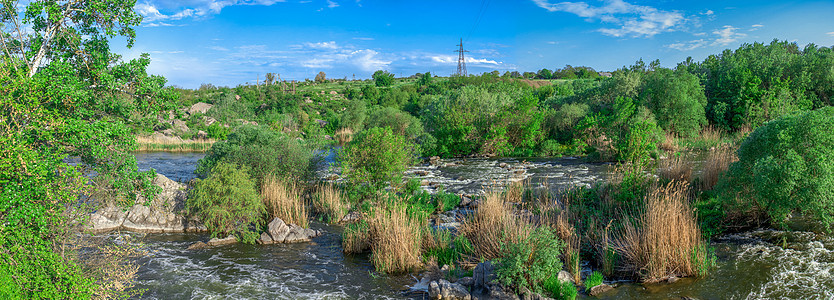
760	264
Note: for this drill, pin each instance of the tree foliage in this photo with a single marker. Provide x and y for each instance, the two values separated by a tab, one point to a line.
376	157
227	202
787	166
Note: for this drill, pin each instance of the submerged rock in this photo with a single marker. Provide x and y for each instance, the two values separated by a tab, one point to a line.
198	246
219	242
445	290
602	288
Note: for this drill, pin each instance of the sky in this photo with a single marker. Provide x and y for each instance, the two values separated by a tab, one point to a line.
232	42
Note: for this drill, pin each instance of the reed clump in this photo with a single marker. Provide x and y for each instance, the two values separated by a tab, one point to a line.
169	144
718	161
284	199
494	223
675	168
665	238
329	202
343	136
395	239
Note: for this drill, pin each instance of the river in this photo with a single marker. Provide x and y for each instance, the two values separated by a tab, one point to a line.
759	264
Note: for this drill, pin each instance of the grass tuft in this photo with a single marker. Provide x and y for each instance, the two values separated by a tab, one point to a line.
283	199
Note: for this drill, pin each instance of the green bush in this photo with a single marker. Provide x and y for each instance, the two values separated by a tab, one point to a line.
787	166
228	203
593	280
376	157
264	152
383	78
529	262
678	101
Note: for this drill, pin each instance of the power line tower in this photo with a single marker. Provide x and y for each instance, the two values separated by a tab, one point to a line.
461	59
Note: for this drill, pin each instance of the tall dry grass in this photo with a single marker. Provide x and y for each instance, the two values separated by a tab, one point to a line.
343	136
669	143
284	199
329	202
154	143
718	161
395	239
675	168
666	237
493	224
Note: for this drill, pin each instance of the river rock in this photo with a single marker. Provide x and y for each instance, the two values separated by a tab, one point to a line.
483	274
279	232
564	276
445	290
465	201
201	135
530	295
198	246
466	281
107	219
602	288
219	242
165	213
421	173
199	107
179	125
498	292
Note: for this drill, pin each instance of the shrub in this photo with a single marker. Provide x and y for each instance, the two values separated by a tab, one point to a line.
593	280
227	202
383	78
447	250
528	262
376	157
264	152
787	166
284	200
677	99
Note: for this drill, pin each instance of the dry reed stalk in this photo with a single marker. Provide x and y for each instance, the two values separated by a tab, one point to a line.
395	240
675	168
343	136
666	237
283	199
328	201
493	224
155	143
718	161
712	133
356	238
669	143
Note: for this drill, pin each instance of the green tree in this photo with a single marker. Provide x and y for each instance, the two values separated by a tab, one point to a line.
787	166
425	79
321	77
376	157
677	100
227	202
383	78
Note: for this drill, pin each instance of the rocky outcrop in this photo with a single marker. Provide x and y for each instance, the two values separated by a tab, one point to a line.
163	214
564	276
445	290
199	107
483	274
279	232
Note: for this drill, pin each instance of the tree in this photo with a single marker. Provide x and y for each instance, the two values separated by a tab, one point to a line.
677	99
227	202
376	157
425	79
383	78
320	77
785	167
65	30
545	74
270	78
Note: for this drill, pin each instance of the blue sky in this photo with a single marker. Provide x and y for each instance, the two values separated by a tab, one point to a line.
231	42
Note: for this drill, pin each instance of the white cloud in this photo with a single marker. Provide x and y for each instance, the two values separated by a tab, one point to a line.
218	48
368	60
720	37
688	46
322	45
830	33
708	12
172	10
633	20
727	35
451	59
332	4
363	38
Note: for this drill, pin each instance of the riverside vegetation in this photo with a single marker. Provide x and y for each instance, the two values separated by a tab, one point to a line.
771	102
